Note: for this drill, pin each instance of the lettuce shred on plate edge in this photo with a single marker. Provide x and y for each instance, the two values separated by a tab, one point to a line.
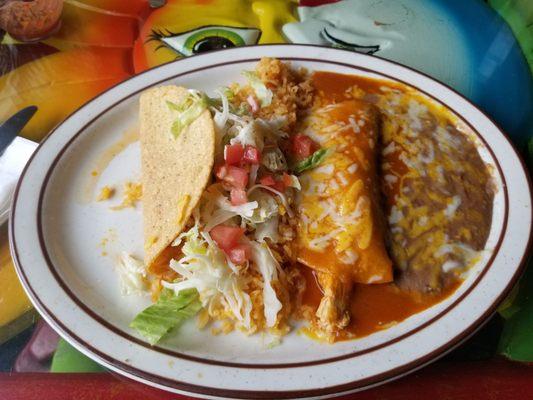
167	313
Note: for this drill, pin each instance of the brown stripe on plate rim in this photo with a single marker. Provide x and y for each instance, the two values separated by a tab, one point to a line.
376	379
173	353
214	362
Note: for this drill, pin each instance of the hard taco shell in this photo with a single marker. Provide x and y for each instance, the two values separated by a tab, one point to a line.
175	171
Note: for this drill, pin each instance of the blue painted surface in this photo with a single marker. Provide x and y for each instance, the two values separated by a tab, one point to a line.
463	43
501	83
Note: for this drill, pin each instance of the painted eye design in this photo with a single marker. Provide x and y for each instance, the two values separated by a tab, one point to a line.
336	42
206	38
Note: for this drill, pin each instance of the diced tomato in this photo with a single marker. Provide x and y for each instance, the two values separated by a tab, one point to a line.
226	237
287	180
267	180
251	155
302	146
233	153
238	197
239	254
279	186
237	177
232	176
221	171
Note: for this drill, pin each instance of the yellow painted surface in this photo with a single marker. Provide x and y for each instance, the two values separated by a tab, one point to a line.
180	16
13	300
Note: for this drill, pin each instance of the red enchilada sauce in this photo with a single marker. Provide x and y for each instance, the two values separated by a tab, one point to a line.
378	306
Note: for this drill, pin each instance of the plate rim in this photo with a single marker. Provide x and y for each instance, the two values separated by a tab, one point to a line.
127	336
361	383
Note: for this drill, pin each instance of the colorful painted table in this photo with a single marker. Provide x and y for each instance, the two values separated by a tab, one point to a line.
59	54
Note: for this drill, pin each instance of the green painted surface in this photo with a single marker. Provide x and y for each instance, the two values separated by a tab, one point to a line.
68	359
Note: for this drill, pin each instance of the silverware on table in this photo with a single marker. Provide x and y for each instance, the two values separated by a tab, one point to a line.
14	154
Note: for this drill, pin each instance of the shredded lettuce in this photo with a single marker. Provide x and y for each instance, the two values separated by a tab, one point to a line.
228	92
219	217
249	134
205	268
267	207
274	160
267	229
268	268
245	210
132	275
261	91
215	208
221	117
272	128
312	161
295	182
224	111
188	110
186	234
167	313
243	110
265	217
281	196
254	168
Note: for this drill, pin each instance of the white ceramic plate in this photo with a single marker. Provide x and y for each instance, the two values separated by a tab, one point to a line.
57	244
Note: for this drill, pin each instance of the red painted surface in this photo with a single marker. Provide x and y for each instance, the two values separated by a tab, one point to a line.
495	379
314	3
